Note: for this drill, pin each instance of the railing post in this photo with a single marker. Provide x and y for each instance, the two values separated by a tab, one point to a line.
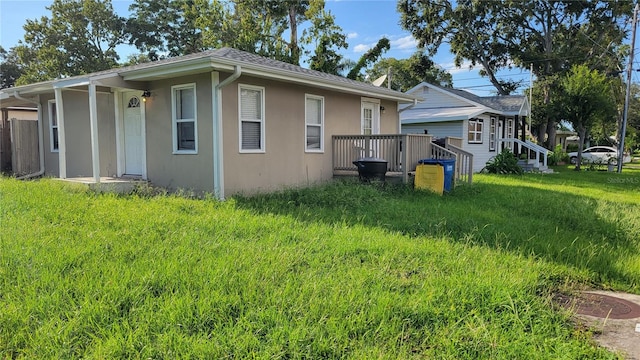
404	144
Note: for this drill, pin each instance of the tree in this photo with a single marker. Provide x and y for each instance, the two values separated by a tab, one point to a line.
10	69
369	58
162	28
586	97
80	37
470	28
327	37
407	73
552	35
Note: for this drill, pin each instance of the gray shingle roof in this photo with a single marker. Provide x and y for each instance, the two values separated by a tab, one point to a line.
248	61
503	103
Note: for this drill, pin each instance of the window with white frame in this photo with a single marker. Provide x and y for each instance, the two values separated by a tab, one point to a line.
53	126
475	131
314	120
185	123
251	118
510	133
492	134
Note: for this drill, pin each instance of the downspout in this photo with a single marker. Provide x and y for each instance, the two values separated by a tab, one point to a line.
40	136
218	158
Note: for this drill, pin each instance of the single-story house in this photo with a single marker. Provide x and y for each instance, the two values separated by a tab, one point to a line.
222	121
482	125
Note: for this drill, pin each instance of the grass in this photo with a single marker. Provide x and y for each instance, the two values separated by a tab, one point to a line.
335	271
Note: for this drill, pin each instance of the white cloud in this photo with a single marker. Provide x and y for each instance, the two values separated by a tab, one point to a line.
404	43
451	68
360	48
352	35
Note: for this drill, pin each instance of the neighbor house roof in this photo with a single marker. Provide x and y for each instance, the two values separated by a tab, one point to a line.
224	60
502	105
419	116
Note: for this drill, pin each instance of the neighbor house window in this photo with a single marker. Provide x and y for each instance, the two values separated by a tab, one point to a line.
251	118
492	134
510	133
475	131
314	120
185	124
53	126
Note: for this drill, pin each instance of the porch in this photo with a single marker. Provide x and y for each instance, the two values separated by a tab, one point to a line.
402	153
534	156
119	185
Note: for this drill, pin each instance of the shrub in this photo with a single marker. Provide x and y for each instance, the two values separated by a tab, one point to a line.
503	163
558	155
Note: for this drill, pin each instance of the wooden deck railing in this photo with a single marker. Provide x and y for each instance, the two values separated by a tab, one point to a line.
397	150
464	163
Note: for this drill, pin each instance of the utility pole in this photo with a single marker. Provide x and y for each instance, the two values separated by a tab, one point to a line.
625	115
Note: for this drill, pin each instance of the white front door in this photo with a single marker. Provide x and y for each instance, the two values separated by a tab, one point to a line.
370	123
133	133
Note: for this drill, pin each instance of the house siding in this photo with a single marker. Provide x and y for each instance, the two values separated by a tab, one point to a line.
285	162
78	134
179	171
437	130
437	99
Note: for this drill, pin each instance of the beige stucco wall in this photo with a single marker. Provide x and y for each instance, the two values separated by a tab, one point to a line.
285	162
174	171
78	134
22	114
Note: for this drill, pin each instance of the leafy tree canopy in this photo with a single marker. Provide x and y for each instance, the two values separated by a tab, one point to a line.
407	73
80	37
585	99
10	69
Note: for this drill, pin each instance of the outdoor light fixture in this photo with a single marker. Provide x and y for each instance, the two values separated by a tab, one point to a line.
145	95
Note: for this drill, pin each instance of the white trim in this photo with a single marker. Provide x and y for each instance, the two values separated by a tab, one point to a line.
375	121
262	120
62	144
174	121
119	122
475	131
51	142
120	104
93	126
493	124
306	125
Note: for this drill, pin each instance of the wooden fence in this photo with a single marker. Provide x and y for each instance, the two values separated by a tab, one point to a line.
5	142
24	147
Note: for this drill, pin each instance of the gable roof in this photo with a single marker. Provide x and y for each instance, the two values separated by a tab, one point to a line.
501	105
224	60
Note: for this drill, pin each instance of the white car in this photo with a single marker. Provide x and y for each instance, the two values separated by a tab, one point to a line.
599	155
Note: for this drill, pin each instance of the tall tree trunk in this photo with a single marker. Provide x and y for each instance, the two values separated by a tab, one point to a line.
293	42
582	132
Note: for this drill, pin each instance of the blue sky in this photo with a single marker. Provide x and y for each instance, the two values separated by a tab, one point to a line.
364	21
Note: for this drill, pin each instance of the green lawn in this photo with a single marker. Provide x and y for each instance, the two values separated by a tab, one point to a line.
336	271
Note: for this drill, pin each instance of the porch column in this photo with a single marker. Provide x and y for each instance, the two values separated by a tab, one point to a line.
93	118
62	146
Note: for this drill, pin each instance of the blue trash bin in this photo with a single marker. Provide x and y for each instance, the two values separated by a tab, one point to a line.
449	166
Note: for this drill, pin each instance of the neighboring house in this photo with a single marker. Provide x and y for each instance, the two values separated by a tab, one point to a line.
482	123
221	121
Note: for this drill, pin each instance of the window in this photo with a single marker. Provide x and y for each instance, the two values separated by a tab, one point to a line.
492	134
251	118
53	126
314	120
510	132
185	125
475	131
